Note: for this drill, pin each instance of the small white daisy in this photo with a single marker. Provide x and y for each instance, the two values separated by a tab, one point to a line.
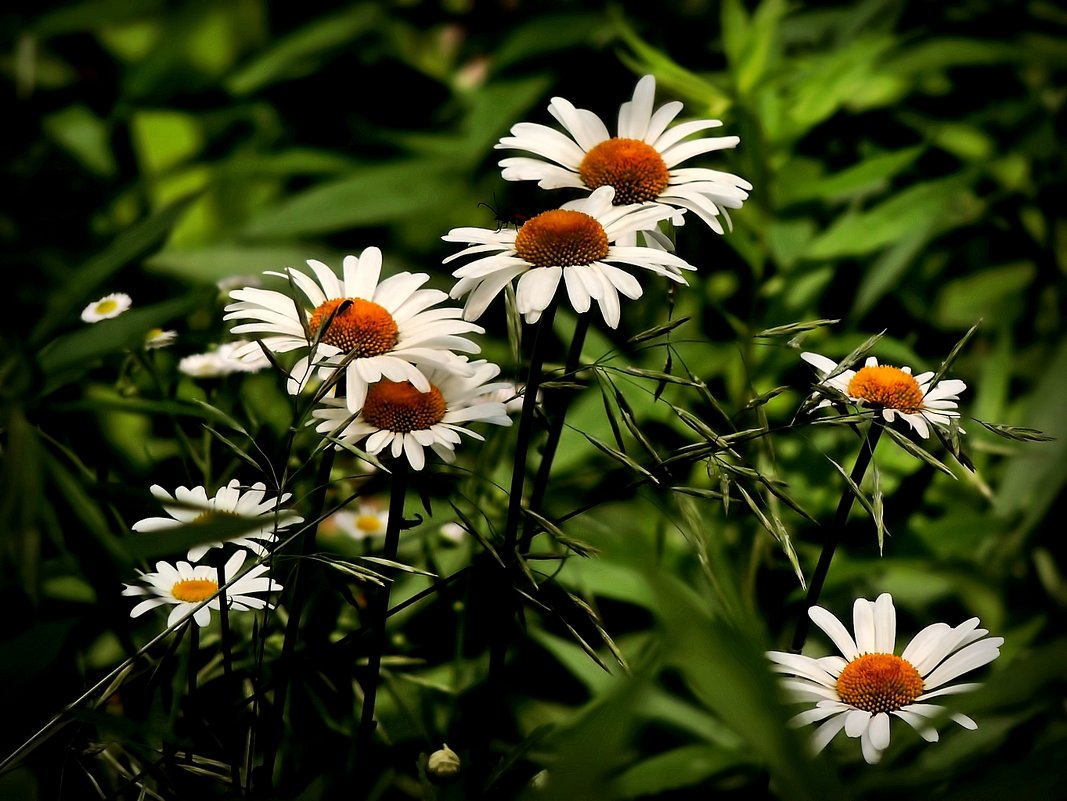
107	307
158	338
860	691
895	391
187	587
189	506
370	328
368	520
399	417
641	162
221	361
574	243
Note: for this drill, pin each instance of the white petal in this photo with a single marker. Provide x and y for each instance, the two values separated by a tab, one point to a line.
856	722
835	630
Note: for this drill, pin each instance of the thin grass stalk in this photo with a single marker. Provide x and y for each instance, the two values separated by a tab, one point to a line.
298	594
226	643
835	532
557	413
380	613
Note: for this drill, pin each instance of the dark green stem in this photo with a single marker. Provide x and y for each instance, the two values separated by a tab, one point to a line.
834	534
226	644
380	612
556	409
298	592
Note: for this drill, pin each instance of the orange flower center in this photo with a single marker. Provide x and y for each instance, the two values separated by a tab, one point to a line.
879	683
561	238
634	168
355	325
887	386
194	590
398	406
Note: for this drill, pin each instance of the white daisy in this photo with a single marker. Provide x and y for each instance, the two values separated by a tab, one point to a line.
189	506
641	162
573	242
187	587
368	520
860	691
895	391
371	328
107	307
400	417
158	338
222	360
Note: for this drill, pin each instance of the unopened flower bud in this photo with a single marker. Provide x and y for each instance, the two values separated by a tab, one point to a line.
443	765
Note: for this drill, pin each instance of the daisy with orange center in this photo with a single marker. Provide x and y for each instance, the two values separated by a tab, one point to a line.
894	391
367	327
190	506
366	521
640	163
400	418
187	587
858	691
578	243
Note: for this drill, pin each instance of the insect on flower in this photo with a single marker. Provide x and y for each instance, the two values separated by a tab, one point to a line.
505	216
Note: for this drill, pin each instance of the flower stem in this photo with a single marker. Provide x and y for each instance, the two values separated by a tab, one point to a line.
556	410
837	529
378	615
226	645
491	703
298	593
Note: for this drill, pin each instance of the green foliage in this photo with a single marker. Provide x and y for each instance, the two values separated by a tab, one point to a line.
908	178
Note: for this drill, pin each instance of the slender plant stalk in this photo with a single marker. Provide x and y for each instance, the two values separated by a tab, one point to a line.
226	645
380	612
491	703
557	413
299	591
190	697
834	534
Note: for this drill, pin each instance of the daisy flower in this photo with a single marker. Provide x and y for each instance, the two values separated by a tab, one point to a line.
158	338
860	691
573	242
371	328
186	587
369	520
641	162
107	307
895	391
222	360
399	417
189	506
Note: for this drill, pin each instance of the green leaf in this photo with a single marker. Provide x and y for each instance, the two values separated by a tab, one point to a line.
212	264
84	136
376	194
672	770
77	290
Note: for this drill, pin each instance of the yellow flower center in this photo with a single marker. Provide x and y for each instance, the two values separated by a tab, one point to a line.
562	238
368	523
887	386
194	591
106	306
633	167
879	683
355	325
398	406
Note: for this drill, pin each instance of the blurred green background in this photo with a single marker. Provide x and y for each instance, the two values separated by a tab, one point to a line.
909	175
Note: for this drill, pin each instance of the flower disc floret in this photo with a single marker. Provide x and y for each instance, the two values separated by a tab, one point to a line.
354	326
398	406
561	237
634	168
194	591
888	387
879	683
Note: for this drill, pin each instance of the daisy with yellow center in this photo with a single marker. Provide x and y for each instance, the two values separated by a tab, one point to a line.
107	307
859	690
368	520
640	163
158	338
369	328
399	417
893	390
186	587
577	243
221	360
190	506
